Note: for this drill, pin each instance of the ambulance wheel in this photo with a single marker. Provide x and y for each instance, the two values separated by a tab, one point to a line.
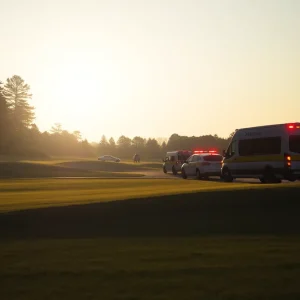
165	170
198	174
226	175
174	171
269	176
206	177
183	174
292	178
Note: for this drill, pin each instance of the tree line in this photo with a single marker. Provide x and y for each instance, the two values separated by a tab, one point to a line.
20	136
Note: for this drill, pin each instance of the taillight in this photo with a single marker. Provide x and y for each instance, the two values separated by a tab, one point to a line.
287	160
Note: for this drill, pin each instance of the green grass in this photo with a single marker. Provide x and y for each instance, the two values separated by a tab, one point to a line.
179	268
34	193
38	170
111	166
74	168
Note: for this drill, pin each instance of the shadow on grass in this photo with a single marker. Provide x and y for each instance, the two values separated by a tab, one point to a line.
246	212
35	170
108	166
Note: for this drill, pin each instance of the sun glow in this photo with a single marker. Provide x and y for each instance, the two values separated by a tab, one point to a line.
83	90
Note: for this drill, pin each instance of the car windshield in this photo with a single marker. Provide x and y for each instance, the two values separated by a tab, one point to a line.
213	158
295	143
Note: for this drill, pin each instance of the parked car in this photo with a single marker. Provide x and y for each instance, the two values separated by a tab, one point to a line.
202	165
109	158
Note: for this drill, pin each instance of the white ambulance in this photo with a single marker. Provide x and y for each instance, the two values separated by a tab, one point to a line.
174	160
270	153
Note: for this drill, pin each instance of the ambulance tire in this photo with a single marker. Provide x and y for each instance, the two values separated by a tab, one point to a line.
183	174
269	176
226	175
205	177
292	178
165	170
174	171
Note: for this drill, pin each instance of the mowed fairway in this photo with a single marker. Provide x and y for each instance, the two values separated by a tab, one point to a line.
19	194
69	239
184	268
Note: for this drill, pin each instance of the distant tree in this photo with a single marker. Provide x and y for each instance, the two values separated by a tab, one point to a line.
87	150
56	128
174	142
77	134
153	148
124	142
124	147
160	140
4	121
17	94
138	145
112	146
103	145
163	148
112	142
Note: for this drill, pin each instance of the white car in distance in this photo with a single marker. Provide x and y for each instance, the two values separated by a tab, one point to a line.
202	164
109	158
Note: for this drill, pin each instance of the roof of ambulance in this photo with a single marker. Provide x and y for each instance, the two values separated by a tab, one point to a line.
267	126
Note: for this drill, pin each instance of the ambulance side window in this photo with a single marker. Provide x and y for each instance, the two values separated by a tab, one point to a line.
231	149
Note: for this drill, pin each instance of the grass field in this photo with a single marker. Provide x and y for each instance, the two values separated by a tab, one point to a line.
47	169
134	238
191	268
34	193
73	168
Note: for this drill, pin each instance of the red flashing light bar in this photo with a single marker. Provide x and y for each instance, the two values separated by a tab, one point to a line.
293	126
203	151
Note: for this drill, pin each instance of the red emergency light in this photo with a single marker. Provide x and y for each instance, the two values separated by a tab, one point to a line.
293	126
204	151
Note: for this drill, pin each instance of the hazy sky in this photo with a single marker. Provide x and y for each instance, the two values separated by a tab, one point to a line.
155	67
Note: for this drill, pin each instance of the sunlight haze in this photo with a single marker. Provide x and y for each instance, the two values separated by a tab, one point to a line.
154	68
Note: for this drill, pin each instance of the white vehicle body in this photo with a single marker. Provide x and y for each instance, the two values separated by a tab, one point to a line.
270	153
202	165
174	160
109	158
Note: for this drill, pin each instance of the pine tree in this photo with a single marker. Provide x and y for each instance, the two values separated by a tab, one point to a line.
17	94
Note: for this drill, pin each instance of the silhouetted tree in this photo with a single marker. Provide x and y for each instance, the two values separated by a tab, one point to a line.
103	146
4	122
17	94
112	146
153	148
124	147
163	148
56	128
78	136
